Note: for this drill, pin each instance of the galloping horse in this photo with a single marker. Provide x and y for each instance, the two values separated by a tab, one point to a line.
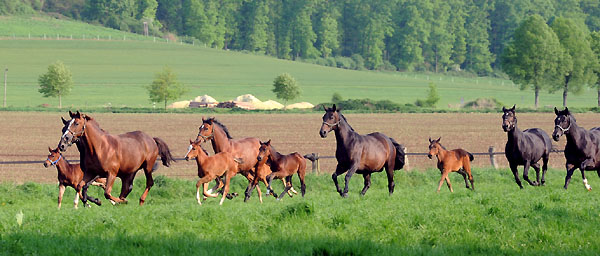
113	156
363	154
211	167
69	175
283	166
525	148
456	160
583	147
244	148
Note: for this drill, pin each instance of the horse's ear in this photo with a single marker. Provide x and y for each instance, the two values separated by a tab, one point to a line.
210	120
71	114
333	108
503	109
203	119
513	108
430	140
63	120
324	108
50	149
268	142
555	111
191	141
438	140
567	111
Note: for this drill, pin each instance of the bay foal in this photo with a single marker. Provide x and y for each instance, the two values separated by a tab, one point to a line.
283	166
456	160
69	175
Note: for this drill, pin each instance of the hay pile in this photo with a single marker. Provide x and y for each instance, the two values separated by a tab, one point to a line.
179	104
300	105
249	101
205	99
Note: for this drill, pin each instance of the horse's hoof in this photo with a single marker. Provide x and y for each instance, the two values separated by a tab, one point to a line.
344	195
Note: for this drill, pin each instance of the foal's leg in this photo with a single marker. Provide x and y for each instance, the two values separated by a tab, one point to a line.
464	174
570	169
515	171
526	173
444	175
217	186
287	187
230	174
367	177
61	191
76	200
292	190
251	186
448	183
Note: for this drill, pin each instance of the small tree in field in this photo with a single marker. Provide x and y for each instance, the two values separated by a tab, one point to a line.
285	87
56	82
165	87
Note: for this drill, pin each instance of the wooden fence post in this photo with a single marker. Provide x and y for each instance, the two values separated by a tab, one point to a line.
406	166
314	159
493	157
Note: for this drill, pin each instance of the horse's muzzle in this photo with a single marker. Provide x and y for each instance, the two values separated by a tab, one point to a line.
429	155
323	134
187	158
259	158
556	137
46	164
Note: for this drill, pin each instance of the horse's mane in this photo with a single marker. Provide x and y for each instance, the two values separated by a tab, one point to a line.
205	152
222	126
343	117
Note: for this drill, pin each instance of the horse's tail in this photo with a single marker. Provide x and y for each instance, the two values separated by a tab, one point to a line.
399	155
470	156
164	152
238	160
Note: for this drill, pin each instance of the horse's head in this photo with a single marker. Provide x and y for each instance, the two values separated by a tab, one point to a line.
194	150
562	123
264	151
53	157
206	130
509	119
331	120
434	147
72	130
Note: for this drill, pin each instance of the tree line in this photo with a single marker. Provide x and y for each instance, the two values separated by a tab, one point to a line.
479	36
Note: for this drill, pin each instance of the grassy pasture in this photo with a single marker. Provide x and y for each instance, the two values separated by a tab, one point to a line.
496	219
115	71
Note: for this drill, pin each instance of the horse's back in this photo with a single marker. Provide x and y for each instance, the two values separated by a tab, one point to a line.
537	136
247	150
377	150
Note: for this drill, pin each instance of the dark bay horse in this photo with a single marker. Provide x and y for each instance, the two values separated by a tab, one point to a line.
113	156
243	148
212	167
525	148
363	154
69	175
283	166
456	160
583	147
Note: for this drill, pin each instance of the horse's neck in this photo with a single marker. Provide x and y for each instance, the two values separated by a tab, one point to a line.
574	134
220	142
441	154
344	131
275	156
63	166
515	135
201	158
93	137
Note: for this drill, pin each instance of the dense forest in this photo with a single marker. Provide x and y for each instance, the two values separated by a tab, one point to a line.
406	35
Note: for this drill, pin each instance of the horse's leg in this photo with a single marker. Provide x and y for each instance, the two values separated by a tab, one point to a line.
526	173
448	183
536	167
570	169
301	175
61	191
468	170
287	187
464	174
545	168
269	180
292	190
338	170
226	189
217	186
349	174
367	178
110	180
390	176
127	186
149	182
83	186
444	175
515	171
586	165
76	200
251	185
251	179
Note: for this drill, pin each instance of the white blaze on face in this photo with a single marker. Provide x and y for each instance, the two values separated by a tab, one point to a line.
68	128
189	150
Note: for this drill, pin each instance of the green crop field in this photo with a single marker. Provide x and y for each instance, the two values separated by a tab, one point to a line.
116	71
496	219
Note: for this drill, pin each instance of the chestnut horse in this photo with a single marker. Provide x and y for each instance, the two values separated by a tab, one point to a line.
113	156
456	160
282	166
583	147
212	167
525	148
69	175
363	154
244	148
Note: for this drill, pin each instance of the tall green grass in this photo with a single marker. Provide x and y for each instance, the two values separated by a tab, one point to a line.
497	219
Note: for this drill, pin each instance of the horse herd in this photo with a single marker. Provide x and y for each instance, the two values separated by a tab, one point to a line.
104	157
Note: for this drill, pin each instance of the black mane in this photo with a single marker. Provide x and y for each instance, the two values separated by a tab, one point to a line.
343	117
222	126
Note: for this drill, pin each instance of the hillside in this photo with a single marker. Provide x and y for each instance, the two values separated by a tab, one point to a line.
115	71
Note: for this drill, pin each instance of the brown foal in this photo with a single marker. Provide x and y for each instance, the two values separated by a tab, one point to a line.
456	160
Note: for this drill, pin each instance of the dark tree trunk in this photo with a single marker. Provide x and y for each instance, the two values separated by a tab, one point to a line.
537	96
566	90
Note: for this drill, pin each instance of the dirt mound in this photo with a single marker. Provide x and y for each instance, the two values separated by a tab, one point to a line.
247	98
179	104
205	99
269	104
300	105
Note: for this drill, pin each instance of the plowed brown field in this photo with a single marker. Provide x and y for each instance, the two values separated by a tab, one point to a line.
25	136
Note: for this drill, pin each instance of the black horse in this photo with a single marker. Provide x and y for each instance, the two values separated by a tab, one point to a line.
363	154
583	147
525	148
